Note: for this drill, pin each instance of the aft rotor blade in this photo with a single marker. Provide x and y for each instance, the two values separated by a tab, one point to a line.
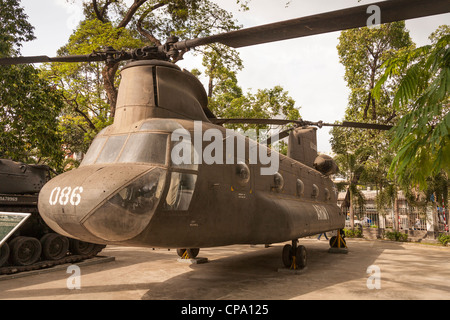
256	121
355	17
375	126
279	136
320	124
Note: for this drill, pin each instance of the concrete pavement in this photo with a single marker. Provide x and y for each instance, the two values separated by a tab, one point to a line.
371	270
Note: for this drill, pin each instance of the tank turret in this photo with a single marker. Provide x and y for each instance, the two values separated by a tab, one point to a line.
33	245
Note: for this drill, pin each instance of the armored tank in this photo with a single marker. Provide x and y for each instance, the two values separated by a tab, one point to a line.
33	245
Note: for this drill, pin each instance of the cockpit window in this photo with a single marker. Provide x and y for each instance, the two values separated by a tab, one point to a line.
145	147
160	125
93	151
111	149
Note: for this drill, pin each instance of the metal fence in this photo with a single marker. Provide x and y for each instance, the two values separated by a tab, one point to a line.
410	218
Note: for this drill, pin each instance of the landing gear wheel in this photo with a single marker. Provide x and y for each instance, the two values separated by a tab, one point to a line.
188	253
54	246
338	242
300	257
25	251
294	252
192	253
181	252
287	255
4	254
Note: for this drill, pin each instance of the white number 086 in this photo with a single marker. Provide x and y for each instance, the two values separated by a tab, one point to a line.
65	195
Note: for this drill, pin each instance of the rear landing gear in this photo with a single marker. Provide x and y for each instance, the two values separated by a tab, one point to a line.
338	243
190	256
294	256
188	253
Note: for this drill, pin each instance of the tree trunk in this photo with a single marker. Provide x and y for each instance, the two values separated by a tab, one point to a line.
396	215
108	73
351	211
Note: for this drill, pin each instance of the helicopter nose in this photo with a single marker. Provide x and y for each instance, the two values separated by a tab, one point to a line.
102	204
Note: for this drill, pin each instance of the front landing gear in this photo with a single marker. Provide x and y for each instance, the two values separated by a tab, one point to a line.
294	256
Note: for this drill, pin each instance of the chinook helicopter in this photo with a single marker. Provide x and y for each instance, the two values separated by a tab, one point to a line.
131	189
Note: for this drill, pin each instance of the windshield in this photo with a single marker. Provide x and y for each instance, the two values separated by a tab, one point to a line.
136	147
145	147
111	149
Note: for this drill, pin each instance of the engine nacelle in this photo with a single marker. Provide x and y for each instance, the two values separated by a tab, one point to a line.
326	165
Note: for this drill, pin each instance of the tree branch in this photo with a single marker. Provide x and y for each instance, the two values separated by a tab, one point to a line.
129	15
76	108
144	32
97	12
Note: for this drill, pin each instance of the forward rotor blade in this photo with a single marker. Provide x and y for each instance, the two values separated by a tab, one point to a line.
42	59
355	17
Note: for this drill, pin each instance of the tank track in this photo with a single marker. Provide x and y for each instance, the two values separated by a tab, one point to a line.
73	258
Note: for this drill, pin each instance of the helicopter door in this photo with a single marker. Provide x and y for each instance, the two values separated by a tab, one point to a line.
181	190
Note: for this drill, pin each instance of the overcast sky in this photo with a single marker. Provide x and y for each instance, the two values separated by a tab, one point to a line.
308	67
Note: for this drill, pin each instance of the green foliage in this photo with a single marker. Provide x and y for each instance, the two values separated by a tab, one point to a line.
353	233
264	104
363	52
444	239
422	136
14	27
386	198
226	97
29	105
396	236
93	35
86	109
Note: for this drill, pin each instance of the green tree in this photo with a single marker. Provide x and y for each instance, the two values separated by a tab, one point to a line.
363	52
351	167
29	105
422	135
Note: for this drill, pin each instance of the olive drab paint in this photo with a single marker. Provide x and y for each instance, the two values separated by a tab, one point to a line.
163	175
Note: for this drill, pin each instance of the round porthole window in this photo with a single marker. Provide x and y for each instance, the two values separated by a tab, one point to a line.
315	191
300	188
278	182
327	194
243	173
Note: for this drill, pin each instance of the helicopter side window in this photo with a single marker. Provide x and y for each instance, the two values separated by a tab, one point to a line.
145	147
111	149
181	190
93	151
183	154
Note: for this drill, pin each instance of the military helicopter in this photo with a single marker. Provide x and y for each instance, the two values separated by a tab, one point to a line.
131	190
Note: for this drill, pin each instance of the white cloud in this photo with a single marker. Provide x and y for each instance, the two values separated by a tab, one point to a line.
74	10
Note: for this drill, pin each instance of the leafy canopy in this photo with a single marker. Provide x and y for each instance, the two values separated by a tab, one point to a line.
422	136
29	106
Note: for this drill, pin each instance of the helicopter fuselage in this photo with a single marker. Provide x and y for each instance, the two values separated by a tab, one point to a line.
147	200
163	175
